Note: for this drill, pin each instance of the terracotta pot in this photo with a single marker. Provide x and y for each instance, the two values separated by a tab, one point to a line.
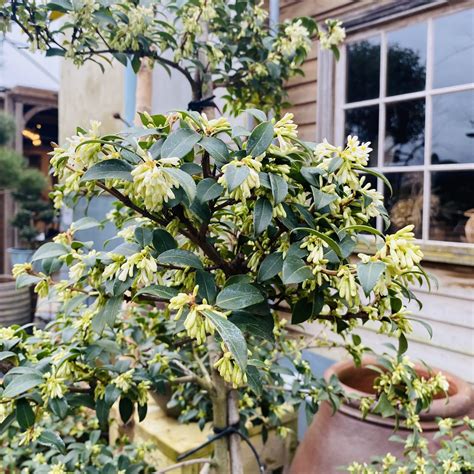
336	440
162	399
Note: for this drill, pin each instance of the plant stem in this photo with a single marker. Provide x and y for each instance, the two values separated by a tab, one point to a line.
219	411
235	445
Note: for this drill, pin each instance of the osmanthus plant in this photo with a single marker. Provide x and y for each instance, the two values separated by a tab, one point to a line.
213	44
224	230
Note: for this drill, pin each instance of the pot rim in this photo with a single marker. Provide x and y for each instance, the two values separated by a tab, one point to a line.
458	404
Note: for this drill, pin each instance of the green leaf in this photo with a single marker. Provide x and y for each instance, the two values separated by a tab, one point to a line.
331	242
369	273
185	181
107	314
232	337
85	223
52	440
377	175
262	215
179	143
208	189
301	311
180	258
428	328
143	236
384	407
279	188
163	240
255	324
216	148
125	409
59	407
260	139
26	280
311	173
402	344
271	266
112	392
363	228
254	380
258	114
49	250
159	291
207	286
24	414
322	199
5	424
6	355
238	296
295	271
235	176
109	169
22	383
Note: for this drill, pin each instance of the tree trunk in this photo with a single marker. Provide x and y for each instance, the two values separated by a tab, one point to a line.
235	443
144	91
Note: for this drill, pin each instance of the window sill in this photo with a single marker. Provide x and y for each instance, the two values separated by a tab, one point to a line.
438	252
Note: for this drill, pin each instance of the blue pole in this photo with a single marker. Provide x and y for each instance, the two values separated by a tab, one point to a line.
129	95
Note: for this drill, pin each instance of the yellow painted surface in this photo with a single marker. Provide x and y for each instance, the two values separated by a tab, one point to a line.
170	439
88	94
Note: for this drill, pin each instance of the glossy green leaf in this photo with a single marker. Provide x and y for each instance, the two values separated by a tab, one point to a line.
329	240
322	199
163	240
185	181
295	271
24	414
85	223
279	188
125	409
107	314
52	440
262	215
180	258
49	250
271	266
179	143
254	380
238	296
260	139
216	148
109	169
207	286
208	189
20	384
232	337
369	273
235	176
159	291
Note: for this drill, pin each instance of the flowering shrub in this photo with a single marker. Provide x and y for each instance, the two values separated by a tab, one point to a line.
456	454
222	230
241	52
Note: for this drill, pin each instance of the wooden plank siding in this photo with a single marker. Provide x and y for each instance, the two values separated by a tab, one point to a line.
302	91
448	309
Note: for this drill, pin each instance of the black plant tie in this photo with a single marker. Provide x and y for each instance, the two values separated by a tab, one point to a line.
200	105
220	433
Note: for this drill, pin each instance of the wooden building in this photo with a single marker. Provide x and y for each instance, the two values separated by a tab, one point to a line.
405	82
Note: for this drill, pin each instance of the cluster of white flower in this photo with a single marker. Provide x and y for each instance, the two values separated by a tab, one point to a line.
144	262
140	19
295	36
334	35
230	371
243	191
400	251
153	184
286	131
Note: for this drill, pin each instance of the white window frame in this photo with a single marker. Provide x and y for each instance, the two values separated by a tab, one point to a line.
428	93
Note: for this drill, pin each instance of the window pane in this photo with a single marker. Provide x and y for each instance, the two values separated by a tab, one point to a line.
452	206
364	122
405	133
405	205
406	66
454	49
363	69
453	128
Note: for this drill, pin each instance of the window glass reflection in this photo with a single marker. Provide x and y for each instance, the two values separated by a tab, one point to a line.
454	49
452	206
453	128
405	205
406	62
363	70
405	133
364	122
